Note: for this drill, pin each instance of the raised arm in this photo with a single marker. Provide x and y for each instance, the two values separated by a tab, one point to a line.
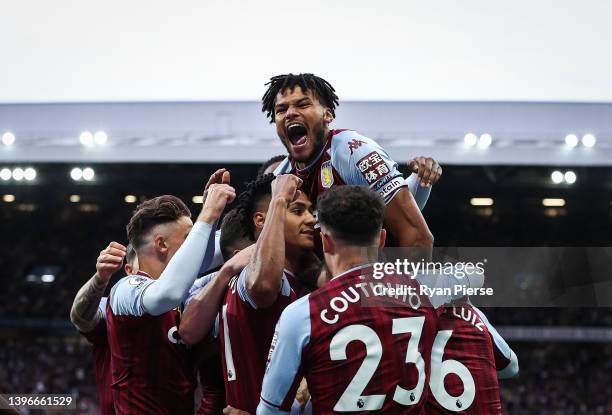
169	290
264	276
84	313
406	223
202	310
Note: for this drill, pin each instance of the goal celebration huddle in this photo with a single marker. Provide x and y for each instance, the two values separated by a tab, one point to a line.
265	303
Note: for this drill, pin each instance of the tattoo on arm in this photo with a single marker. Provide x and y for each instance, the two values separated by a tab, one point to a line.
84	313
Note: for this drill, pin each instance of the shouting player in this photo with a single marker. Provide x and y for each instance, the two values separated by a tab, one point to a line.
153	371
302	107
358	356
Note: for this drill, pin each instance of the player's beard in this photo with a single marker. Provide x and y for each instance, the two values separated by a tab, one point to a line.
319	134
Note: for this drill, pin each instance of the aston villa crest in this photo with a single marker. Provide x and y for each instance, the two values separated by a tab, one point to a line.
327	175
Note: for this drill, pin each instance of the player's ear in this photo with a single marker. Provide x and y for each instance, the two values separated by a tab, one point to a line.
327	116
382	238
327	243
160	244
128	269
259	219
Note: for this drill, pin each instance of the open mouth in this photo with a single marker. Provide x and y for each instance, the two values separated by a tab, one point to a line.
296	133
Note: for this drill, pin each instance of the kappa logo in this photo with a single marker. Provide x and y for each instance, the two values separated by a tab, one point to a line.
327	174
354	144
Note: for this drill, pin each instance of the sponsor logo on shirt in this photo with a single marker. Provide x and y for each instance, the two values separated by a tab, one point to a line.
327	174
373	167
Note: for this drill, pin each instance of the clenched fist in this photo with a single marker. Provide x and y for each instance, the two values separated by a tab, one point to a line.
286	186
110	260
217	194
427	169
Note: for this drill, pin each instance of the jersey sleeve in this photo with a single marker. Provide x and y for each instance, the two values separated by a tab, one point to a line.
126	295
361	161
213	257
284	370
283	168
506	361
102	307
197	287
243	293
420	194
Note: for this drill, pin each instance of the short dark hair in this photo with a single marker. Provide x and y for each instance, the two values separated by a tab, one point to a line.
130	255
353	214
247	201
268	163
233	234
161	209
307	82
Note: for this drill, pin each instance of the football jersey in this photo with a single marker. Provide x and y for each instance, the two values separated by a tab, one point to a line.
348	158
98	338
463	371
152	369
360	351
246	332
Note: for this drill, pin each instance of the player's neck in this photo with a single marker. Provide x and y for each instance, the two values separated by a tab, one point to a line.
294	259
151	266
346	259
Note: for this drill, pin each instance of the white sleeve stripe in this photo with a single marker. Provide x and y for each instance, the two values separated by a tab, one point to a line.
227	347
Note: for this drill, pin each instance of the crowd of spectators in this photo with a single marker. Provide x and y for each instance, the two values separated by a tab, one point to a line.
560	379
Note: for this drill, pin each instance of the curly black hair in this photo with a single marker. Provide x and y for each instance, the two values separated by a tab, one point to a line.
353	214
247	201
307	82
233	234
